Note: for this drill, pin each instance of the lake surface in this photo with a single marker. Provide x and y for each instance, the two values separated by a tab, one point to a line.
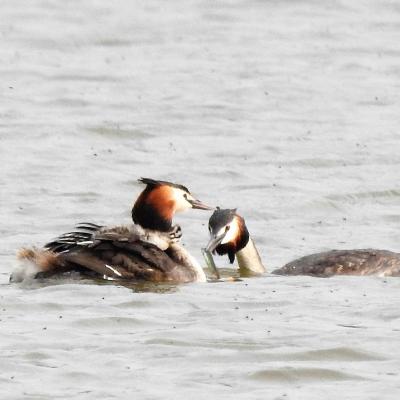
288	110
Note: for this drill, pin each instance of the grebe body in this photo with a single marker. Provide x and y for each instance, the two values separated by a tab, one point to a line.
229	235
147	250
345	262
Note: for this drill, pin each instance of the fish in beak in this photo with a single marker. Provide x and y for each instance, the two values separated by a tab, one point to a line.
215	242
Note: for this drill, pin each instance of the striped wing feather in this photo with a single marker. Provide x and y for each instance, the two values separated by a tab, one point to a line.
116	253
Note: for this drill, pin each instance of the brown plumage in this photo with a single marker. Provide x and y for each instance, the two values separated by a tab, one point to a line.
145	251
154	208
116	253
46	259
345	262
230	236
157	204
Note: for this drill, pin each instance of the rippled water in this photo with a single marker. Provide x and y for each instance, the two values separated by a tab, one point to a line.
288	110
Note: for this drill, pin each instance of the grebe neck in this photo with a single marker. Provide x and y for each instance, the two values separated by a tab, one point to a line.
249	260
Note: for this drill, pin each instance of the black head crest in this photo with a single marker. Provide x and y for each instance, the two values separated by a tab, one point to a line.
153	183
221	218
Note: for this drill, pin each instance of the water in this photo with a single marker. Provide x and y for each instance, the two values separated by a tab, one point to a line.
287	110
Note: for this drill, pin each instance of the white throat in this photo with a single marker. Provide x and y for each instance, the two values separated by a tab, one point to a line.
249	260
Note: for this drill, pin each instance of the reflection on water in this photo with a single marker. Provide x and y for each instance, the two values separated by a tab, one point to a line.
150	287
303	375
78	279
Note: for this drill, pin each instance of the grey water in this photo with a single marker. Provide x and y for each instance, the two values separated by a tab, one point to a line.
288	110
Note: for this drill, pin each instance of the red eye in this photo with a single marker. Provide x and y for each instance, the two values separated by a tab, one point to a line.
227	228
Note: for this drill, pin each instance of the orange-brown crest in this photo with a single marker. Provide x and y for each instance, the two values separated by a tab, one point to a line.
154	208
161	198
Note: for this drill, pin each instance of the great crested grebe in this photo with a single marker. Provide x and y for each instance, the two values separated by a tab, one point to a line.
147	250
229	235
344	262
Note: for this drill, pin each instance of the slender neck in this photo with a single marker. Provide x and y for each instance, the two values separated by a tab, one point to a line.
249	260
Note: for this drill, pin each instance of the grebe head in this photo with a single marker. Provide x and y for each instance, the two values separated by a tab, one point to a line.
228	233
159	201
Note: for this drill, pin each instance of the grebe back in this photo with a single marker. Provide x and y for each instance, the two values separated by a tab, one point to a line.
344	262
149	251
229	235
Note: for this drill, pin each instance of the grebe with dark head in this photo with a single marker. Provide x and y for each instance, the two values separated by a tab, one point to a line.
229	235
147	250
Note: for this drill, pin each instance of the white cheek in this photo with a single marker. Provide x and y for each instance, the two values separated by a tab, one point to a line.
231	234
180	203
219	233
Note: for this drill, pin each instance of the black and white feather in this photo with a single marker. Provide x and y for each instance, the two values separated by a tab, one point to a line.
84	235
123	252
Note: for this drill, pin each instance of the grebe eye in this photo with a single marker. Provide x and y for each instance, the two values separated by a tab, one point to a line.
185	196
227	228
